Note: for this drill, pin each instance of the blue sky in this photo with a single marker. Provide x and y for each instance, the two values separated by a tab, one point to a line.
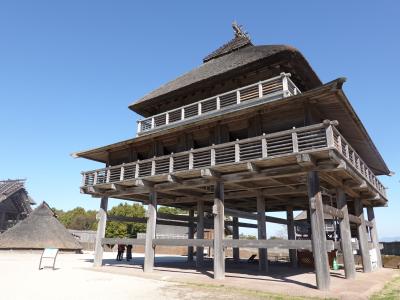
69	69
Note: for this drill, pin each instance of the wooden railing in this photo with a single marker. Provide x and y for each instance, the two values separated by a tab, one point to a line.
355	160
297	140
280	85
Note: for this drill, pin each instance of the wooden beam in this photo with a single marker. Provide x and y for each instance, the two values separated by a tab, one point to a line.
235	236
362	236
191	235
277	244
374	235
354	219
218	211
318	234
150	232
123	241
200	234
183	242
101	231
332	211
291	235
262	232
345	236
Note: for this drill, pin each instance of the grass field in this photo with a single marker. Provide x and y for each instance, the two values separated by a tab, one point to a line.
391	291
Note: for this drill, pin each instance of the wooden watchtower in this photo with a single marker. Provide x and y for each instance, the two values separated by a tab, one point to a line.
251	130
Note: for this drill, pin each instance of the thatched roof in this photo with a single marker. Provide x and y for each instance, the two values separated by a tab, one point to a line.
232	59
39	230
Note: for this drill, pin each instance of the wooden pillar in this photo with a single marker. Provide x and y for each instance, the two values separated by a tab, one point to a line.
149	251
262	232
362	236
374	235
101	231
191	234
2	220
318	235
200	233
235	236
291	235
345	236
218	211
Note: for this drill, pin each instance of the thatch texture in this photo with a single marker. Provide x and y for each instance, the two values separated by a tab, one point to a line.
39	230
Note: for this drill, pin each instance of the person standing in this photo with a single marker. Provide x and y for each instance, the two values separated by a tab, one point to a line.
129	252
121	250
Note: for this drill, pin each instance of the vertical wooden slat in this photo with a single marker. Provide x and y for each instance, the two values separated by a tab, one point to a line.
318	235
95	178
237	97
262	232
291	235
122	173
150	231
101	231
108	175
345	236
171	163
153	123
260	91
374	235
212	155
218	211
200	233
329	136
362	236
153	166
137	169
191	159
285	86
218	103
167	118
139	126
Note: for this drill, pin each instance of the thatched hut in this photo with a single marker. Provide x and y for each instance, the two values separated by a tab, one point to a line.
39	230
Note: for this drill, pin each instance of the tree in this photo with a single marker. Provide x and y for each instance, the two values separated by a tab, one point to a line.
171	210
77	218
130	230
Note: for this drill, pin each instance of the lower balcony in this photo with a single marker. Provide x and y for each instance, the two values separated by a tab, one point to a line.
317	147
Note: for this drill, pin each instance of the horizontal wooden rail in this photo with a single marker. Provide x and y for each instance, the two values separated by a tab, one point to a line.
354	219
183	242
333	211
122	241
280	85
281	244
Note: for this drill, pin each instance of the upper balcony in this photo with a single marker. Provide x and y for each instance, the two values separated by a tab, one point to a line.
268	150
277	87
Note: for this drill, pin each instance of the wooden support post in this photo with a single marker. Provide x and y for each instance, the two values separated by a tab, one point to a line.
218	211
362	236
374	235
318	235
262	232
191	235
291	235
101	231
149	251
235	236
345	236
200	233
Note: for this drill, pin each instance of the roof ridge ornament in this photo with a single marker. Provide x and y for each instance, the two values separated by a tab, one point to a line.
239	31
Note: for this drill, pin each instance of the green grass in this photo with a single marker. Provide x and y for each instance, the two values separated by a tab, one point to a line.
391	291
229	292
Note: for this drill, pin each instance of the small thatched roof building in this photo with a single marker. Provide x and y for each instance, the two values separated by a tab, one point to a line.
39	230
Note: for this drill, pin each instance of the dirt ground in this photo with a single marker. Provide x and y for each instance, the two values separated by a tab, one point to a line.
391	261
173	278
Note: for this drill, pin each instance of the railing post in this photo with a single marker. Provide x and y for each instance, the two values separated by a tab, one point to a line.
153	166
122	174
137	169
171	163
153	123
191	159
108	175
199	108
95	178
329	137
295	141
260	91
139	126
285	86
264	149
213	155
340	143
237	97
83	179
237	151
218	103
166	118
182	113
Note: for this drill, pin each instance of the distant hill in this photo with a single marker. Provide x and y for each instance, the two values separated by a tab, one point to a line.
390	239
